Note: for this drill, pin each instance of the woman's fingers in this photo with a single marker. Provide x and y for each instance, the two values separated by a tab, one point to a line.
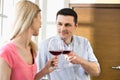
54	61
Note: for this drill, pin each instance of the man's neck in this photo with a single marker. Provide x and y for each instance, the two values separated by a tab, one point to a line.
68	40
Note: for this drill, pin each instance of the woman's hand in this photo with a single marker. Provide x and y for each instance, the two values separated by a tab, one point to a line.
51	64
49	67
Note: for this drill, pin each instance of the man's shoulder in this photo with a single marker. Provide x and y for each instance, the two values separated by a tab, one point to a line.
80	37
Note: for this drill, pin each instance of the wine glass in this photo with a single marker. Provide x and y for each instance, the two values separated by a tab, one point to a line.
55	47
67	49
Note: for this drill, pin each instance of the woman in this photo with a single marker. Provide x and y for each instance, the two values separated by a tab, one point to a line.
17	57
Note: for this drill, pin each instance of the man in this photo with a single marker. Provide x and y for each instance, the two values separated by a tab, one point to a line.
82	57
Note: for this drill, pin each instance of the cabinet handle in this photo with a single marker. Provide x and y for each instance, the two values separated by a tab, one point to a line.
116	67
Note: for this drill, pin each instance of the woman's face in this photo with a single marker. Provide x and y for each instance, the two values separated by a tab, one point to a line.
36	24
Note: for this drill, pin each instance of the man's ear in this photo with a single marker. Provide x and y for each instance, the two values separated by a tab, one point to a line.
76	25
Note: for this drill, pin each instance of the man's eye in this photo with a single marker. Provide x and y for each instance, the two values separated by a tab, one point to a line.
67	25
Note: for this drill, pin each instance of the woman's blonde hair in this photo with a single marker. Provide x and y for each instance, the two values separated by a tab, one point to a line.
25	12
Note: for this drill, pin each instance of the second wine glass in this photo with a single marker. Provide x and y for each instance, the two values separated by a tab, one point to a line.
66	52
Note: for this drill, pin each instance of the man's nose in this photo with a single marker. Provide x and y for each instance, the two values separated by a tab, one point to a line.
63	27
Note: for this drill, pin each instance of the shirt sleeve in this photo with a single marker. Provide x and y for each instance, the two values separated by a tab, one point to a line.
91	55
6	54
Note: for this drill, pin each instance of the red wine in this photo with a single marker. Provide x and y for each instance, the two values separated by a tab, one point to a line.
56	53
66	52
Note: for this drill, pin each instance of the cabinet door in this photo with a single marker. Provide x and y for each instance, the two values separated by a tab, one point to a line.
100	23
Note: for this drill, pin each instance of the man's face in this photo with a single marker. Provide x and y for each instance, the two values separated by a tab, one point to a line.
65	26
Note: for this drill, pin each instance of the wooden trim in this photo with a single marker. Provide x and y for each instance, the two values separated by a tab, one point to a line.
116	6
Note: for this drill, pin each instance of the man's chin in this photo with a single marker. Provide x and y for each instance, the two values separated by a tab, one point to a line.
63	38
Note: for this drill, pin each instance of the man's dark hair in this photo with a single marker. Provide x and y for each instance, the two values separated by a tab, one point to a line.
68	12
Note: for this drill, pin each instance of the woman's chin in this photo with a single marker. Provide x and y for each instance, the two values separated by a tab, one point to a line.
36	34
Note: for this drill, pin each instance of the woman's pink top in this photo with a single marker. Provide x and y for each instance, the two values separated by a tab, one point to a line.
20	69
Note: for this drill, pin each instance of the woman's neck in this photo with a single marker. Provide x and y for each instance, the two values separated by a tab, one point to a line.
23	40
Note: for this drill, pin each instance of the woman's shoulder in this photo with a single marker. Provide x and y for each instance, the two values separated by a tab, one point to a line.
7	52
7	47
